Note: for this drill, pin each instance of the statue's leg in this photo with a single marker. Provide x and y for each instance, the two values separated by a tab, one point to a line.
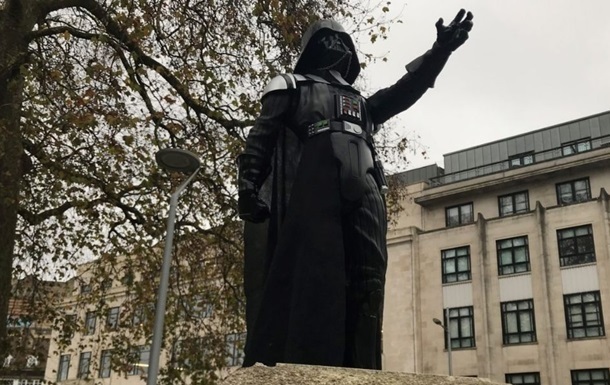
365	229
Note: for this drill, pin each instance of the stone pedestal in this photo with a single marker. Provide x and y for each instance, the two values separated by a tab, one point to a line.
323	375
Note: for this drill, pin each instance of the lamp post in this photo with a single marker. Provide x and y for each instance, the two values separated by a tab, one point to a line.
448	333
176	160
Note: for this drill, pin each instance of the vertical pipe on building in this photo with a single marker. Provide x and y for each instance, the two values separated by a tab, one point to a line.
448	331
484	357
415	300
604	258
545	275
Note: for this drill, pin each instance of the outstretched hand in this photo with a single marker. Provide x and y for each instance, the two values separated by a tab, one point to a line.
452	36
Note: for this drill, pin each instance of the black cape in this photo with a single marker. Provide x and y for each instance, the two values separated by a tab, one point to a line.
300	314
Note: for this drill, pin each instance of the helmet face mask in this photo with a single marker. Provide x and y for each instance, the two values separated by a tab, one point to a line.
325	46
332	53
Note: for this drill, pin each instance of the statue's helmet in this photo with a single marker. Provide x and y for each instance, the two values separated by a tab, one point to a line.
315	46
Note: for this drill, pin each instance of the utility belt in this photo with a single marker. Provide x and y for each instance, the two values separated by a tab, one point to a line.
353	148
337	126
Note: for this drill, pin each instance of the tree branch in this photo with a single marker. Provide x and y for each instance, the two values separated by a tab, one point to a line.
60	30
115	30
48	6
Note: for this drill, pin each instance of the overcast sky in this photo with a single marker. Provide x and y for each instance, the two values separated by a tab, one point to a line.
528	64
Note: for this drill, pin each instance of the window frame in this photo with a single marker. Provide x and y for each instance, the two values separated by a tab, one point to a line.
513	196
63	369
90	323
583	313
455	323
460	221
502	268
523	336
574	146
112	318
508	377
84	365
605	372
105	370
141	355
578	257
68	326
234	345
142	313
456	261
522	159
573	192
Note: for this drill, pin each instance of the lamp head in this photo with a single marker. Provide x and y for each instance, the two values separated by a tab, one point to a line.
177	160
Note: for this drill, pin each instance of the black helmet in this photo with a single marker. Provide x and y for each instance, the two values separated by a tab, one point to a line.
308	50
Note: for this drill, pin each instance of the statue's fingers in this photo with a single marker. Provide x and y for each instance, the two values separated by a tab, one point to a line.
466	24
439	24
459	16
469	16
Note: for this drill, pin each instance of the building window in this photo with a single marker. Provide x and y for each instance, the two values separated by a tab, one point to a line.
584	316
513	203
85	288
143	313
521	159
459	215
140	358
513	255
105	363
456	264
573	191
106	284
235	348
180	358
64	367
128	278
461	327
195	307
576	245
591	377
112	318
90	319
523	378
189	353
68	327
518	323
576	147
83	365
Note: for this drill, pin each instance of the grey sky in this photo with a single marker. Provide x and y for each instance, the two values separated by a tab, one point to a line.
528	64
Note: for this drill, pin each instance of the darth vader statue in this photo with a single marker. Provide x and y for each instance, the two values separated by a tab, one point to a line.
311	192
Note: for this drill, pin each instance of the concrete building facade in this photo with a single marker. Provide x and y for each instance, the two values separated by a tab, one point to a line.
86	350
509	248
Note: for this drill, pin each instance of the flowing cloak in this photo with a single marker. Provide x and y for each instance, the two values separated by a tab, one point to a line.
294	279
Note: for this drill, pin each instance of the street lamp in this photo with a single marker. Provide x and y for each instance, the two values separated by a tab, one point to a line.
174	160
448	332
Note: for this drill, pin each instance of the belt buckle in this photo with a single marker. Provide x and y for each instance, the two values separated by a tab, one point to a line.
352	128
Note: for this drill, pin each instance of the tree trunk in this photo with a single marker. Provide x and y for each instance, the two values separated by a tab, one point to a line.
13	51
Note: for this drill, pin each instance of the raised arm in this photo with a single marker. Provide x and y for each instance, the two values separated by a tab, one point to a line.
422	72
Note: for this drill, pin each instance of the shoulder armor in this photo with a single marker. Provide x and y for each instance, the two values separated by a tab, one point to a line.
283	82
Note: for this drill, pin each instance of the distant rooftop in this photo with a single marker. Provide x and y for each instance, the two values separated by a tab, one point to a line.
576	136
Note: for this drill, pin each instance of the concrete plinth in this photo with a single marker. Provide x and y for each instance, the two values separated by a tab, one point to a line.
323	375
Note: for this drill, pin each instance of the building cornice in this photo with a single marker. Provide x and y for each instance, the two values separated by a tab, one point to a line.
516	176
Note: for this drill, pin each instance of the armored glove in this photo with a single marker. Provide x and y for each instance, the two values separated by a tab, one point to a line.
251	208
250	176
450	37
